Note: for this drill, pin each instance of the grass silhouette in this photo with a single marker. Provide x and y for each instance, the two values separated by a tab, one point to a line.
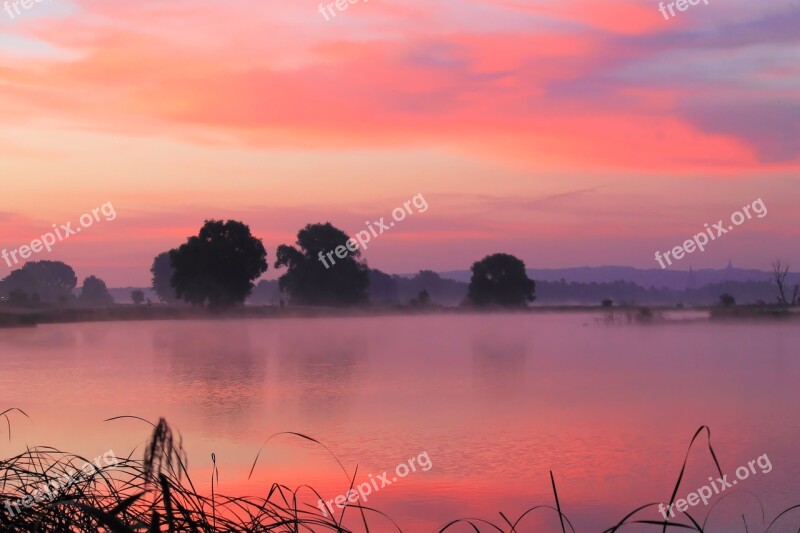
155	493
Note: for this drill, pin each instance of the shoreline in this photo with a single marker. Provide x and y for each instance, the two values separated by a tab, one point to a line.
11	317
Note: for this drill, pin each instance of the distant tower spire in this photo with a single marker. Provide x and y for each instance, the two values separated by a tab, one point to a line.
730	264
690	282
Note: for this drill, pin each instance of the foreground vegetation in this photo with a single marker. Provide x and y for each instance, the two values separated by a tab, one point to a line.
155	493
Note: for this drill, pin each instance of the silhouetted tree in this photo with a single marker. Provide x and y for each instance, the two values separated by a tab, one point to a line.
309	282
428	277
727	300
382	287
18	297
422	299
780	272
441	290
162	273
266	292
52	281
427	281
500	279
608	302
95	292
219	265
137	296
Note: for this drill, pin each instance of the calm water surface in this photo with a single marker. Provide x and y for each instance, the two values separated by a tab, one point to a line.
496	401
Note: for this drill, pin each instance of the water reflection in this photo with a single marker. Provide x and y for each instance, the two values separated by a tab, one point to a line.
216	367
498	401
42	337
323	367
499	366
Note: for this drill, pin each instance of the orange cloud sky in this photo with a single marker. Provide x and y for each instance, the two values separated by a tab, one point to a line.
179	112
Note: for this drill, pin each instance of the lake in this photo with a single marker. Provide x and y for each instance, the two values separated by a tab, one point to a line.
491	403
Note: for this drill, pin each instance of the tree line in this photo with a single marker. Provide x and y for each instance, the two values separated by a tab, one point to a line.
218	267
52	282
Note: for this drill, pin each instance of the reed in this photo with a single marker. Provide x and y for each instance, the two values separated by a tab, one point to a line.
156	493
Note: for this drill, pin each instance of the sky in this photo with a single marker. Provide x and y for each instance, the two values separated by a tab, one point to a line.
566	132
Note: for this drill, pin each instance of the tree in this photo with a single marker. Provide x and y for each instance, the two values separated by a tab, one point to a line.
51	281
162	273
780	272
137	296
266	292
441	290
94	292
727	300
309	281
382	287
219	265
18	297
500	279
428	277
608	302
422	300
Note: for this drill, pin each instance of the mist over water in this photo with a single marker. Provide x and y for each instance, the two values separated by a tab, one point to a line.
497	401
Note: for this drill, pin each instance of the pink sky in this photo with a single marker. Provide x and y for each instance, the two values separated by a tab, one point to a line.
567	132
